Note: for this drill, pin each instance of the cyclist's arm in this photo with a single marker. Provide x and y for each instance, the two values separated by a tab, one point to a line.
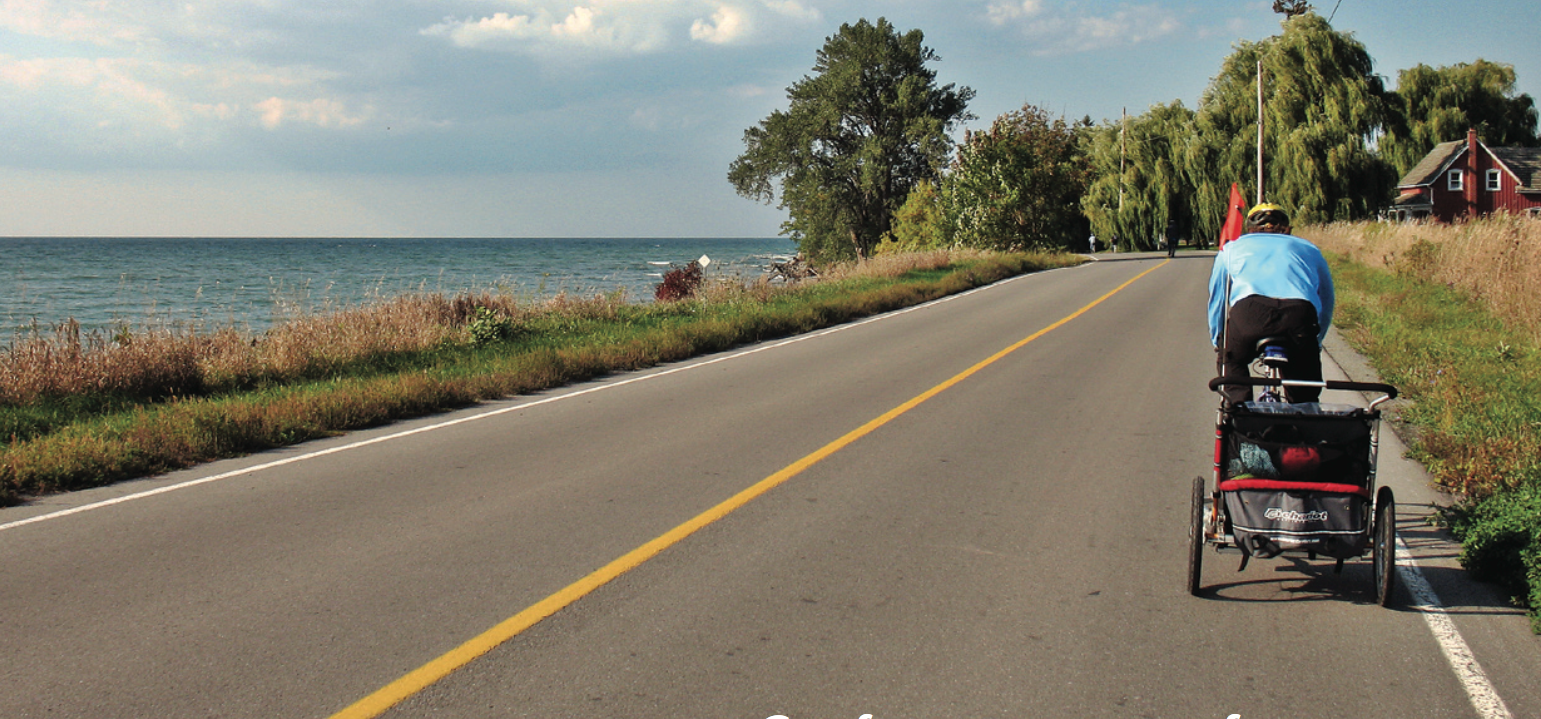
1217	298
1328	296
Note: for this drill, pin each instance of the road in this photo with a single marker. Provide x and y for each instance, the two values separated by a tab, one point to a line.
1012	544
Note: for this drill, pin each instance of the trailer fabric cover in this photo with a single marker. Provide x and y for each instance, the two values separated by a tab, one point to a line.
1298	479
1267	522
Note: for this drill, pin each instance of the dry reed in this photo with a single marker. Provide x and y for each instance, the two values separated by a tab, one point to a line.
1495	260
151	364
66	361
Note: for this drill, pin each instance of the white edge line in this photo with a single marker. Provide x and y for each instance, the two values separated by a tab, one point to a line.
1484	697
502	410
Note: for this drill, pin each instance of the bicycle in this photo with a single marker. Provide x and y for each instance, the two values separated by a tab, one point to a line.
1295	478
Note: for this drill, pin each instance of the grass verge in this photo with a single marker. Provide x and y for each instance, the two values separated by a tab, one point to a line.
1472	368
226	395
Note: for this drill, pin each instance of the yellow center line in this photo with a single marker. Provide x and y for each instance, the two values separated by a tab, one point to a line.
421	678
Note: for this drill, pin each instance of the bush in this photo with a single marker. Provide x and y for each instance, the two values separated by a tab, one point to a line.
679	283
488	326
1501	543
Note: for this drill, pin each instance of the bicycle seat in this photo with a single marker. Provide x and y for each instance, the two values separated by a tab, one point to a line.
1271	351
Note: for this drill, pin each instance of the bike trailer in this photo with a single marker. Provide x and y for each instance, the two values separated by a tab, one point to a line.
1298	477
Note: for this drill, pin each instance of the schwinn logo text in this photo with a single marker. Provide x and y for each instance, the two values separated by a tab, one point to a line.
1287	515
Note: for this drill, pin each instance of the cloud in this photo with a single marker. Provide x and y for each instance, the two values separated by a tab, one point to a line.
727	25
1066	29
120	90
321	112
1003	13
594	27
486	31
201	83
560	30
795	10
107	23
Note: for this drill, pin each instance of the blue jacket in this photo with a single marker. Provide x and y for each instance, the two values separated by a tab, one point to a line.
1282	267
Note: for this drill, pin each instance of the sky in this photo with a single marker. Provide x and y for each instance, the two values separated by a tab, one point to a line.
553	118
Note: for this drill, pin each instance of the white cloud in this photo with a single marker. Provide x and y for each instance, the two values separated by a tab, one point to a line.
593	27
120	90
1002	13
106	23
102	75
794	9
487	30
321	112
563	29
727	25
1066	29
123	102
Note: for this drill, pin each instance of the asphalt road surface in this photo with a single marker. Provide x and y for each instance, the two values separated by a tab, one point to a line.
975	508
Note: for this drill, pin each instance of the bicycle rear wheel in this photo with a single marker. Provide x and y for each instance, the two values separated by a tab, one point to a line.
1196	539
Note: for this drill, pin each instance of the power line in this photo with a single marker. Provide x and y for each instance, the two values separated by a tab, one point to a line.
1334	11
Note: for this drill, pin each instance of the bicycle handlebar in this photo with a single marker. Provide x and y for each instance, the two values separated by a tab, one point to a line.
1386	389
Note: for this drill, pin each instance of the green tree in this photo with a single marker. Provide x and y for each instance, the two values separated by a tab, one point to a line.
1018	185
1435	105
1323	105
919	224
1142	188
869	124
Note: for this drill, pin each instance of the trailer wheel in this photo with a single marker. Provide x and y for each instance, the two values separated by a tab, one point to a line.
1196	539
1384	551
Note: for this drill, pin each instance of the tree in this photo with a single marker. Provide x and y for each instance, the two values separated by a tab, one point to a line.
1322	103
919	224
1291	8
1143	189
1434	105
1018	185
857	137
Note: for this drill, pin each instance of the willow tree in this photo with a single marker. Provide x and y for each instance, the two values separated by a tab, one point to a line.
859	133
1435	105
1143	189
1322	106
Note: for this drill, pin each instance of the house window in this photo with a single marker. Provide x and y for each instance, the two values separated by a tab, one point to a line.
1455	182
1494	181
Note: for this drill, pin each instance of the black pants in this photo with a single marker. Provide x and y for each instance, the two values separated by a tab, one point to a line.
1254	318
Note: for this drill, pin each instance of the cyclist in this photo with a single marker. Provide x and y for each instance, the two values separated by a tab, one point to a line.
1279	286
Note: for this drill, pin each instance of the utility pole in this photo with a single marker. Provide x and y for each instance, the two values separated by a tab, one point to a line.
1123	125
1260	131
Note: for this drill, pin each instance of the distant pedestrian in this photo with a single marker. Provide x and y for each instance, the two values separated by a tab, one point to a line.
1093	242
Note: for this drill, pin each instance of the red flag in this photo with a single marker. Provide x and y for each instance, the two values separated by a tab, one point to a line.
1234	218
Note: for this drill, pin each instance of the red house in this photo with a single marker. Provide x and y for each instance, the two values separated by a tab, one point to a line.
1468	179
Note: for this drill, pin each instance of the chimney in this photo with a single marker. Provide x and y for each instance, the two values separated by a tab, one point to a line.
1473	172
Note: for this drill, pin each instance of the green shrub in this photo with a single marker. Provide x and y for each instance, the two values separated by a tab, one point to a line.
1501	543
488	326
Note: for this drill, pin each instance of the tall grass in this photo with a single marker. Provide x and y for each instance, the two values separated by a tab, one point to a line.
81	409
1494	261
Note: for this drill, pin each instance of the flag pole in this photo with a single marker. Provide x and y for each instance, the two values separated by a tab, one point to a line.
1260	131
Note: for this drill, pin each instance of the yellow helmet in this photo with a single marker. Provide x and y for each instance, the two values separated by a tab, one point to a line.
1267	215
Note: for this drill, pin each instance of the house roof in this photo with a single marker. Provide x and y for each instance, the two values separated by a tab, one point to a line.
1524	162
1433	164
